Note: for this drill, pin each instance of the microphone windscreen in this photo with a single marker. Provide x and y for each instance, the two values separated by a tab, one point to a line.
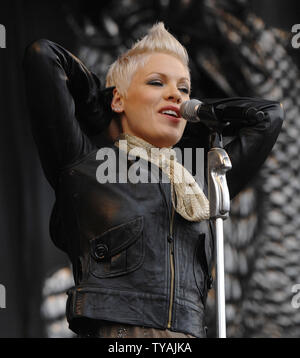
188	110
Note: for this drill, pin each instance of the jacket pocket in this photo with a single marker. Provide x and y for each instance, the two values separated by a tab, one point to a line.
118	251
201	268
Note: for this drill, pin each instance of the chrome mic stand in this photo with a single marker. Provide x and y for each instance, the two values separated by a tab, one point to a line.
219	201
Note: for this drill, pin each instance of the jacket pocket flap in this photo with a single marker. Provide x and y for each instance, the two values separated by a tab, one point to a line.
116	239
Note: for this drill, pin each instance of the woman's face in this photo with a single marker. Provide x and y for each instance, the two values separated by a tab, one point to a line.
150	109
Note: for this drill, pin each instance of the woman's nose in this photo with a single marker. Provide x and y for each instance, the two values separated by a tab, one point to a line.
174	95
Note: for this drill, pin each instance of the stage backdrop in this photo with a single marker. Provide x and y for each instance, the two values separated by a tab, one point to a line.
26	253
235	50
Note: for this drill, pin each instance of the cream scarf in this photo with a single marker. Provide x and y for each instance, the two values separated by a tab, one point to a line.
188	200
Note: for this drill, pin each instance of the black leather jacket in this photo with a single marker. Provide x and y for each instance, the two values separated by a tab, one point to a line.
135	260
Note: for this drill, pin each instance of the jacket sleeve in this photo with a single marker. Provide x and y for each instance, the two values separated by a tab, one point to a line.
253	143
65	103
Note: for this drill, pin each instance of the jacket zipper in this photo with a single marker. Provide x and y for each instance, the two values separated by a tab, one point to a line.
172	269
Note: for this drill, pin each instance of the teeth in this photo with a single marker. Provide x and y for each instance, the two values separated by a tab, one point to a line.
170	112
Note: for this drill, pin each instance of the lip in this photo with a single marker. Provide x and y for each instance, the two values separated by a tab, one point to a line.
171	118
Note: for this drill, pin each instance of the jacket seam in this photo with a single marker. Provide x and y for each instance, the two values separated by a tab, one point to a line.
97	290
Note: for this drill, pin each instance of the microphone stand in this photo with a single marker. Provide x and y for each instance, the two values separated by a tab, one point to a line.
218	194
219	203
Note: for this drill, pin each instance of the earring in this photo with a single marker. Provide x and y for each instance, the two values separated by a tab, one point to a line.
116	109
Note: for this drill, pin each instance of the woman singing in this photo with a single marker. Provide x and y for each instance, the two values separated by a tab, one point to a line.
141	251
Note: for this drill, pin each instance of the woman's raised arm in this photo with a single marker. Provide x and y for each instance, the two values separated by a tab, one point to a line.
253	144
63	98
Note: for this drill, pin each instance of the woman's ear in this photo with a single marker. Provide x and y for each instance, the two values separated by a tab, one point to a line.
115	126
117	103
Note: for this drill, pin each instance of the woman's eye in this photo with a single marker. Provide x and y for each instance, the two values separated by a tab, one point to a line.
184	90
155	83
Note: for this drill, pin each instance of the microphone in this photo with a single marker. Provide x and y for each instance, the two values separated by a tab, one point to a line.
220	113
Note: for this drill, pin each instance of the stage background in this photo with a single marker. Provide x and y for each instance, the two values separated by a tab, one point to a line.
27	255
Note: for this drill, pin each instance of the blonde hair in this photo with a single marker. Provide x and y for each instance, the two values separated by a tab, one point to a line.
158	39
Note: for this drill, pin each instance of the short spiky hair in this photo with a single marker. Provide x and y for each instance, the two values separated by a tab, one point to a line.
158	39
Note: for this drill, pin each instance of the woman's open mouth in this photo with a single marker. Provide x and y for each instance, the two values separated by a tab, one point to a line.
171	113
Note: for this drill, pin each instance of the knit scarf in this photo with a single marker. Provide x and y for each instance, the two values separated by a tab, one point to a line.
188	199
